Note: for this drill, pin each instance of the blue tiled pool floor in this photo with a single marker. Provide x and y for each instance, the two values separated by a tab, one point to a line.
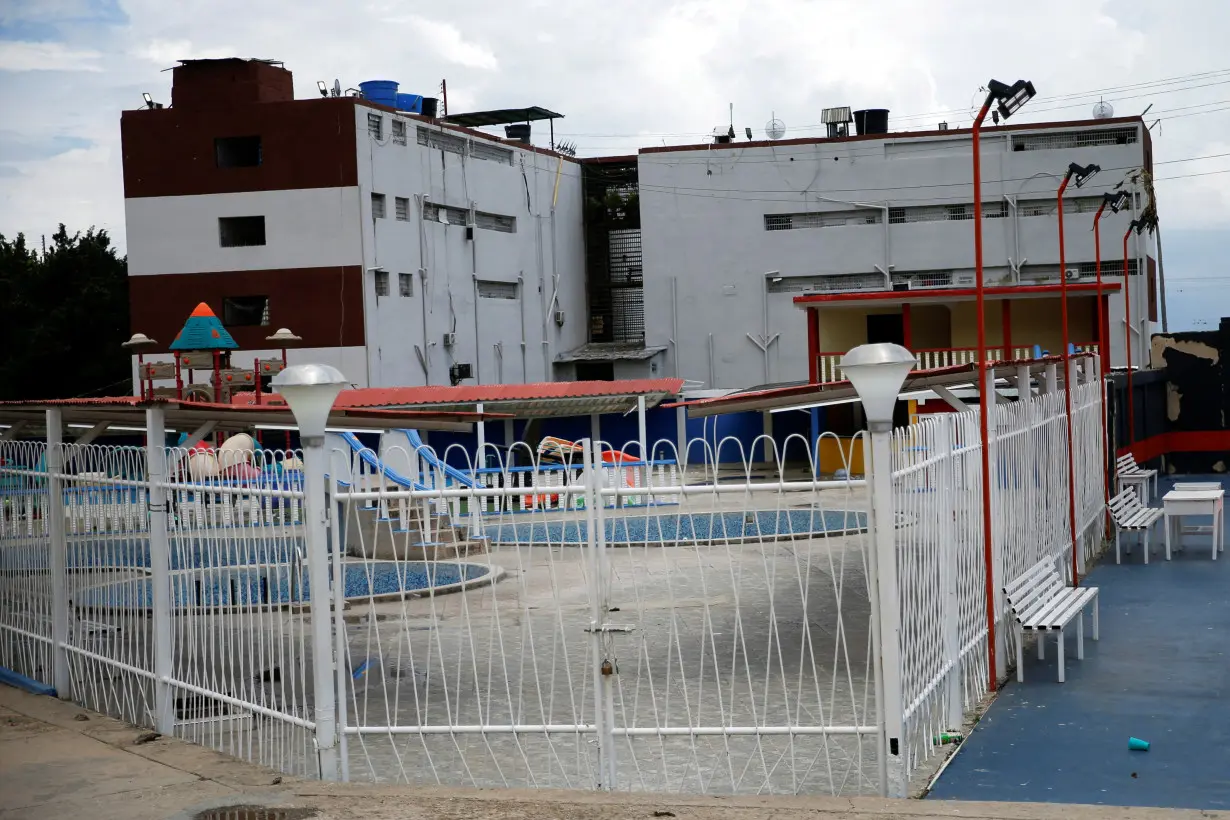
1160	672
685	527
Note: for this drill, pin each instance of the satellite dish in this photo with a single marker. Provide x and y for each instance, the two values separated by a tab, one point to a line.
1103	110
337	88
775	129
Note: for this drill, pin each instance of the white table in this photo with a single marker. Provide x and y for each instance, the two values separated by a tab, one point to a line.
1178	503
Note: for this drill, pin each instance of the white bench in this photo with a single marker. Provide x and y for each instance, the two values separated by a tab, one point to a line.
1133	475
1127	513
1041	603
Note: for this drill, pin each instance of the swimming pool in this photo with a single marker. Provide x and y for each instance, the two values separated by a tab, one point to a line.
274	585
686	528
110	552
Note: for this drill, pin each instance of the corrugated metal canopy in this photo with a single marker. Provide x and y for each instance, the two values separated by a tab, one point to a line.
129	411
502	116
811	395
533	400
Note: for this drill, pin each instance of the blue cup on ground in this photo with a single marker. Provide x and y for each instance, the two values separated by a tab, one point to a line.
1138	745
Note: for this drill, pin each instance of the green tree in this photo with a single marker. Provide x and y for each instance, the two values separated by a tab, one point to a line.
63	317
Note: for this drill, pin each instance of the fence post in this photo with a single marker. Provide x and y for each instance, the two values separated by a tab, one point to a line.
951	568
316	514
58	562
599	602
996	527
160	568
886	609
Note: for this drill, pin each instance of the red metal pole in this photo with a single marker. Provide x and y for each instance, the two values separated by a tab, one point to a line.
813	345
988	557
179	373
1127	338
141	375
1103	357
256	371
1066	358
217	378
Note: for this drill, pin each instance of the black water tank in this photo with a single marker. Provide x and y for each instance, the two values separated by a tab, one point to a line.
519	131
429	107
871	121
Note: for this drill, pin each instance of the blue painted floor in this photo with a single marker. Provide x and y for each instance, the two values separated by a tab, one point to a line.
1160	672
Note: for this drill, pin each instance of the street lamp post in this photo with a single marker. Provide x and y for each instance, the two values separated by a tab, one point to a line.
1009	98
1116	202
877	372
310	390
1080	175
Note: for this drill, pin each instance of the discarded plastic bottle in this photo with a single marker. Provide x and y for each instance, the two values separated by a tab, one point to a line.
944	738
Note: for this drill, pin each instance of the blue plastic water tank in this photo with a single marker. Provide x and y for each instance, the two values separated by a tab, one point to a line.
383	92
410	102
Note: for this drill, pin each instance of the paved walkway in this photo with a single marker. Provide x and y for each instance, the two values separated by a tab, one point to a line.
58	761
1161	672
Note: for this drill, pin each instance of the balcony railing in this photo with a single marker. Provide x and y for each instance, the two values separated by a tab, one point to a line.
930	359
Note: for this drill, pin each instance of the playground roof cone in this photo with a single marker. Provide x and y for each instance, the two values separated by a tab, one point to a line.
203	331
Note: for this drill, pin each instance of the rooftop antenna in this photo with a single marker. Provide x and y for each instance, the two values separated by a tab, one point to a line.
337	88
775	129
731	133
1103	110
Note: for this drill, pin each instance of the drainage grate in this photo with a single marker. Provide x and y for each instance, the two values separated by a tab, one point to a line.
253	813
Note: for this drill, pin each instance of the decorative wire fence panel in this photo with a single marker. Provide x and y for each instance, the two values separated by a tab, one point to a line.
937	497
732	622
241	666
25	569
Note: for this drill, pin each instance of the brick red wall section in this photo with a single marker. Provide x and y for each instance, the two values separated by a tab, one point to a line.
304	144
230	82
323	305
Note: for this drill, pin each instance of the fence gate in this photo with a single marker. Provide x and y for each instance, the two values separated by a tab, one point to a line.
711	637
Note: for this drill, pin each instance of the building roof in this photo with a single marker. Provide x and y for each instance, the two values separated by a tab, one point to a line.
502	116
609	352
812	395
129	411
533	400
953	294
897	135
203	331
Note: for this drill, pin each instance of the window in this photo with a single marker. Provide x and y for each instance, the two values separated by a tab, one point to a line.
401	208
382	283
1054	140
241	231
245	311
595	371
237	152
399	132
491	289
495	222
442	141
405	284
375	126
377	206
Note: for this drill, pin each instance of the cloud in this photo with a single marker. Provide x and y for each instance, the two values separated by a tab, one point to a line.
27	56
168	52
16	147
446	40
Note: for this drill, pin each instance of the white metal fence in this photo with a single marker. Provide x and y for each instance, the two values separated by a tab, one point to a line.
700	629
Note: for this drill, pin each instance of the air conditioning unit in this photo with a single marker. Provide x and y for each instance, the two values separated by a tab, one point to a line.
559	318
450	339
459	371
906	285
1072	273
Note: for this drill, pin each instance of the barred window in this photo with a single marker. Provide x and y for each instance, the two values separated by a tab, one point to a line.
1054	140
399	132
491	289
401	208
375	125
405	284
378	206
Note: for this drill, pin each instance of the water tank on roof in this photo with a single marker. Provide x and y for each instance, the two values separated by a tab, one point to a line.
429	107
871	121
410	102
382	92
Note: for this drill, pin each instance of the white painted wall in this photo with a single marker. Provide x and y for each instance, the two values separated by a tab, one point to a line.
309	227
547	243
703	216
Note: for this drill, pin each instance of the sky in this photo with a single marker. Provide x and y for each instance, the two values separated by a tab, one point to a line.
641	72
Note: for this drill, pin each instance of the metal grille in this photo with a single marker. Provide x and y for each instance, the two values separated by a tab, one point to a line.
399	132
405	284
492	153
495	222
491	289
827	283
924	279
1074	139
613	253
443	213
945	213
821	219
1046	207
443	142
401	208
378	206
375	126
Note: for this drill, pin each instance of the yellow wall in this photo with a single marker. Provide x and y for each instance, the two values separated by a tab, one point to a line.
846	327
965	324
831	455
1036	322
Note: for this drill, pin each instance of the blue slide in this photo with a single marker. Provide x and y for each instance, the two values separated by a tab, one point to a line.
430	457
371	460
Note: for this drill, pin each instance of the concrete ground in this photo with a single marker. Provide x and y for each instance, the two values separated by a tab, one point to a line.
1161	672
57	760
